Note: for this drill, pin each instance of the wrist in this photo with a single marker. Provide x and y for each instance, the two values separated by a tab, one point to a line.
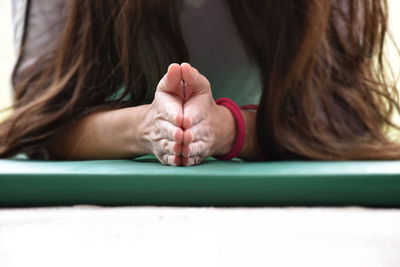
134	135
226	131
251	150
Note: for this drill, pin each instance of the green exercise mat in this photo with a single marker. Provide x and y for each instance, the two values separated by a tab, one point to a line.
213	183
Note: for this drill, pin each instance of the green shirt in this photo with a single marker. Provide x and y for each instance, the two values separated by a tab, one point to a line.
216	50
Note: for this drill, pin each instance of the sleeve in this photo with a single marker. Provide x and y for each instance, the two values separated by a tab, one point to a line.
37	24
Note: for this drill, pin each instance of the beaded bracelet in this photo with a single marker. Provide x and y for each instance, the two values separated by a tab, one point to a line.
240	127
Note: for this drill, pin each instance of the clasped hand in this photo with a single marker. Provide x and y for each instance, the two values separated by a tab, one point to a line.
183	125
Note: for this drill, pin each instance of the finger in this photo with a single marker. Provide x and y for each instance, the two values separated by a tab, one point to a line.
174	149
198	132
185	151
187	137
197	140
171	82
178	161
173	113
196	149
169	147
194	133
170	160
192	115
193	161
168	107
168	131
195	82
167	160
182	88
177	149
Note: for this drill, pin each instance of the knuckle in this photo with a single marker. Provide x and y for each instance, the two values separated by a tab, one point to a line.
165	159
171	146
164	145
207	82
197	160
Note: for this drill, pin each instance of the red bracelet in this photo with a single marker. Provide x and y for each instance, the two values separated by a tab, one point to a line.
240	127
249	107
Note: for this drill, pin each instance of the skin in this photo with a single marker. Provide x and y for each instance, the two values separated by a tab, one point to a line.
181	127
209	129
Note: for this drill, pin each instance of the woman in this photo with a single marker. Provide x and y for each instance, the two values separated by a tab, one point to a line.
91	95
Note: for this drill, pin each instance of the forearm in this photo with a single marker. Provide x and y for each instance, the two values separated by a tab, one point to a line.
102	135
251	150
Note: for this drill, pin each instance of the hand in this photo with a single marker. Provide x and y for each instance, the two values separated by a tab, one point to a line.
209	129
163	120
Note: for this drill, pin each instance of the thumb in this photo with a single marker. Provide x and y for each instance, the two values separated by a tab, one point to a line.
171	83
195	83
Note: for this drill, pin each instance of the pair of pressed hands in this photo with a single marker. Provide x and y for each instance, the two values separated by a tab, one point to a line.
183	125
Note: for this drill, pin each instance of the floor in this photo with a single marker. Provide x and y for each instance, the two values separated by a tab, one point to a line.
155	236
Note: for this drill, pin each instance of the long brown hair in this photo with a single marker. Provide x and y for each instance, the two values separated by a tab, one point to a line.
325	94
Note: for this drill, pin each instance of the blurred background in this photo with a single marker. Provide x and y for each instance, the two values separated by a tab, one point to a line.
7	52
